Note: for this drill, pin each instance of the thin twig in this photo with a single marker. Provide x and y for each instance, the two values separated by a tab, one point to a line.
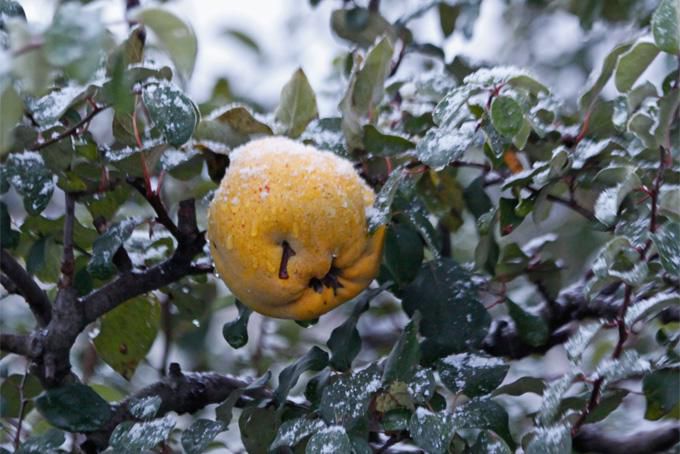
22	410
70	131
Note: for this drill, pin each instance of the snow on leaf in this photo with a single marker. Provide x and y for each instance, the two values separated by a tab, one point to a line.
651	306
329	440
31	178
667	242
552	397
346	398
579	341
431	431
629	364
551	440
141	436
295	430
472	374
666	26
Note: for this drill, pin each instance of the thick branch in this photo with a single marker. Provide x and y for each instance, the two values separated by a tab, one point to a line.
180	393
35	296
15	343
592	439
156	203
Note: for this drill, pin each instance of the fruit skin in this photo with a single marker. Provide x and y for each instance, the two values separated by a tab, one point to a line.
277	190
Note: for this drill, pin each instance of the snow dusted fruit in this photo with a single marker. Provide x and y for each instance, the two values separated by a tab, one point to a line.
288	229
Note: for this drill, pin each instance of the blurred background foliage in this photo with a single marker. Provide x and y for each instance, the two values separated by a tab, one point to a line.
525	156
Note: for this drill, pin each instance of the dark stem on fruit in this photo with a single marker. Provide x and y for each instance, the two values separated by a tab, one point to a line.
287	253
330	280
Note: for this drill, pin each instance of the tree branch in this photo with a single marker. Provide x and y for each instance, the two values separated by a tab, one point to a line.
15	343
593	439
131	284
35	297
68	259
181	393
72	130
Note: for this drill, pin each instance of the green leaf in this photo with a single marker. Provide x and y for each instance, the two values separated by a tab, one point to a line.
198	436
297	107
631	64
666	26
590	96
506	116
127	334
442	145
326	134
448	14
483	413
225	410
402	362
174	35
49	442
9	237
10	114
551	440
51	107
235	332
441	285
244	39
489	442
74	40
403	253
145	408
365	91
232	125
344	342
652	306
258	428
345	400
431	431
662	391
295	430
138	437
104	248
521	386
669	202
531	328
329	439
667	242
471	374
73	407
380	144
314	359
15	388
618	260
171	111
360	26
32	180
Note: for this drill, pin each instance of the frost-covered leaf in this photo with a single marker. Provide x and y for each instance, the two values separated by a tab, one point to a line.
346	398
10	114
51	107
326	134
662	391
175	36
295	430
588	98
471	374
651	306
667	242
402	362
630	363
484	413
74	407
551	440
46	443
138	437
422	386
669	202
431	431
74	40
235	332
297	106
171	111
127	333
506	116
329	439
609	200
444	144
532	329
314	359
618	260
440	285
198	436
666	26
552	397
32	180
379	213
104	248
145	408
631	64
578	342
10	9
489	443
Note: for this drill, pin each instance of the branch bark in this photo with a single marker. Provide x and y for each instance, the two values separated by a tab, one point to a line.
35	297
15	343
593	439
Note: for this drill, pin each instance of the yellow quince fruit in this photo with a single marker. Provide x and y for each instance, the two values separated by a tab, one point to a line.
288	230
